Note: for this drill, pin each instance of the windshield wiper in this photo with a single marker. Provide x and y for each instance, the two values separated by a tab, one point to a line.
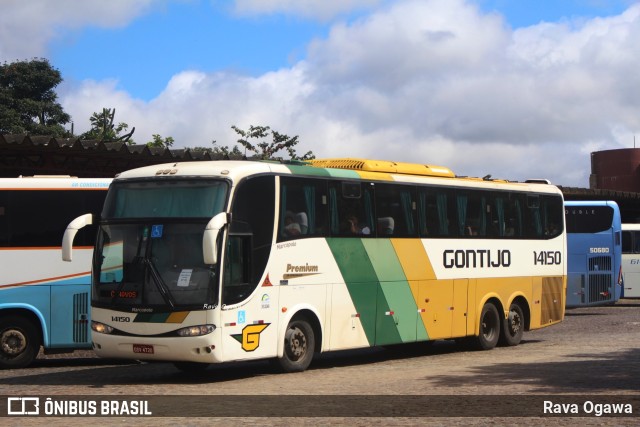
157	280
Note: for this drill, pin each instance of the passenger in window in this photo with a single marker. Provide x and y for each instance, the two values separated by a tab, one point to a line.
354	227
291	228
552	230
510	230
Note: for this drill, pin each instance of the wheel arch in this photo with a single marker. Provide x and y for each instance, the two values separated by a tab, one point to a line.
32	315
307	313
489	298
522	301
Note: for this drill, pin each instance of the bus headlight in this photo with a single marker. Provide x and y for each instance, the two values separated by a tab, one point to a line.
101	327
196	331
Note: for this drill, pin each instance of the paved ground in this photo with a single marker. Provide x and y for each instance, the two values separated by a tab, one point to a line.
594	352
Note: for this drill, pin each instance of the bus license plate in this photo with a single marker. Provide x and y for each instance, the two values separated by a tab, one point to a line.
143	348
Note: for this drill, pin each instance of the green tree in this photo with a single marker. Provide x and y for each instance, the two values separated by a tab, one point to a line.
220	150
265	149
28	102
158	141
103	129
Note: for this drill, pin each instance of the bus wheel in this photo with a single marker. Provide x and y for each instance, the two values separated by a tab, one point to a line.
513	326
489	328
19	344
191	367
299	345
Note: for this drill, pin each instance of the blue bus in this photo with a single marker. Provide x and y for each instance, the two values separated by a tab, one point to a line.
594	253
44	302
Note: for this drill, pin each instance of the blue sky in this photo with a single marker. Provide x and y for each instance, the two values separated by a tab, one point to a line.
209	36
515	88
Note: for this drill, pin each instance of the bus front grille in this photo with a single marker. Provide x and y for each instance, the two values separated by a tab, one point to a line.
600	263
599	287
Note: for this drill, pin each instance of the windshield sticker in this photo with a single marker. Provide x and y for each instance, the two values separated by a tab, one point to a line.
185	277
242	317
250	336
156	231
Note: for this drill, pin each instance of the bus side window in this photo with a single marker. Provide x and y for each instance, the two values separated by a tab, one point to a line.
627	242
303	207
351	202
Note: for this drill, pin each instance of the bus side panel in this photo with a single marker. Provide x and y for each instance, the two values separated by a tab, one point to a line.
360	279
552	310
417	269
631	275
397	315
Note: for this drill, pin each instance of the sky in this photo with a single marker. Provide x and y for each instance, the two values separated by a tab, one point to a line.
517	89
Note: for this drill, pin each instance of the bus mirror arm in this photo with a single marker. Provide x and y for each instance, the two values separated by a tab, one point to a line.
210	238
70	234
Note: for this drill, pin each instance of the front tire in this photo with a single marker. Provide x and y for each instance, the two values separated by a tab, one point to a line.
19	342
299	346
489	328
513	326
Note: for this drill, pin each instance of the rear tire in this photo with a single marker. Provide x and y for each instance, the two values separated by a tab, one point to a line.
513	326
299	346
19	342
489	328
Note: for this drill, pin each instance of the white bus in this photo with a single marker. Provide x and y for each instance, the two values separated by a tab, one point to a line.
209	262
631	260
44	301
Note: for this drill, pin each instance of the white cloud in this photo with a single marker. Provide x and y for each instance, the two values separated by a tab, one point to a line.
427	81
26	31
314	9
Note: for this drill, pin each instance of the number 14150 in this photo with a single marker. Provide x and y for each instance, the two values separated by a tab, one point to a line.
547	258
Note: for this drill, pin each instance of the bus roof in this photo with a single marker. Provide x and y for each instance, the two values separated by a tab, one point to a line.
376	170
383	166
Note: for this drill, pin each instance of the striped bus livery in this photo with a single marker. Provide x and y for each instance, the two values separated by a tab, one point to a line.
209	262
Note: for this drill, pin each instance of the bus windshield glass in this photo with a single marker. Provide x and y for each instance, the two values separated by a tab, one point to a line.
149	248
589	219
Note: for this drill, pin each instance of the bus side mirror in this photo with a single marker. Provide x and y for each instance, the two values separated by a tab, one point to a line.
70	234
209	246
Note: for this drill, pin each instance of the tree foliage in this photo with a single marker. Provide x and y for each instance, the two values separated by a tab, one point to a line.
220	150
265	149
159	141
28	102
103	129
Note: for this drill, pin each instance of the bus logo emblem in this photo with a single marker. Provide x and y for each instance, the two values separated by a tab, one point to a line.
250	336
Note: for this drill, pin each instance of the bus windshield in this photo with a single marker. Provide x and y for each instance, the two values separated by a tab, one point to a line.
149	248
588	219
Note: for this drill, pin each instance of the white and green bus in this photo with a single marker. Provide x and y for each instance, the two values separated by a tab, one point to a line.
208	262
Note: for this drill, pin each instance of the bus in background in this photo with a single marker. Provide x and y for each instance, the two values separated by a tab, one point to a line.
594	253
631	260
209	262
44	301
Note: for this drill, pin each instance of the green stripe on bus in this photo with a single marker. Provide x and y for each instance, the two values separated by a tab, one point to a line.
360	278
357	259
403	310
334	173
307	170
